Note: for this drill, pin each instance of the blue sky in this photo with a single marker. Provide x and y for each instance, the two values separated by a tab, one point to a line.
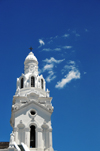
65	36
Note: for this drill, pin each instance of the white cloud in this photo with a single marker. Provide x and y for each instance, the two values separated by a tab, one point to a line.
57	49
74	31
77	35
56	37
47	49
70	76
51	76
41	42
53	60
86	30
70	66
72	62
48	67
50	64
50	41
65	35
67	68
67	47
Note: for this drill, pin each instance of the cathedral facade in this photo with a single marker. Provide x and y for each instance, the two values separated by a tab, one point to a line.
31	111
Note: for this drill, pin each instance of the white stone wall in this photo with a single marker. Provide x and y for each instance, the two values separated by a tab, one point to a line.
42	121
32	98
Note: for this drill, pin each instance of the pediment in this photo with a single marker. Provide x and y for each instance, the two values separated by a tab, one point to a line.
33	95
33	102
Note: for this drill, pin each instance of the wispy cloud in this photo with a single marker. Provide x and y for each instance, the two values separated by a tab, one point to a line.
57	49
85	72
41	42
50	41
51	76
70	76
46	49
69	66
67	47
53	60
86	30
49	49
48	67
77	35
65	35
74	31
56	37
72	73
71	62
58	46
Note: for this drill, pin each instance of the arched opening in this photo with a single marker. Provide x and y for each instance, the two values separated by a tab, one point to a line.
32	81
32	137
22	80
42	83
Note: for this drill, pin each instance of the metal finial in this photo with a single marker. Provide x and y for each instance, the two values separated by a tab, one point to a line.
31	49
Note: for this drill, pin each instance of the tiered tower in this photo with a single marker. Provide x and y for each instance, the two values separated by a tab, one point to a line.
31	110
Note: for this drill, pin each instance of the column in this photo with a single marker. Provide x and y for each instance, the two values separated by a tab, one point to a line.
27	137
47	138
39	139
16	135
50	138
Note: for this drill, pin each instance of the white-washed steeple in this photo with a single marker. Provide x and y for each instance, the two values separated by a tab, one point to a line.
32	109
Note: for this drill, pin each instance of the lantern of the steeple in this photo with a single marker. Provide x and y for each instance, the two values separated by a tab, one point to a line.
31	64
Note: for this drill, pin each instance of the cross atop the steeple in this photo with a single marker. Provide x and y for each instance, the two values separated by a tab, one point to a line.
31	49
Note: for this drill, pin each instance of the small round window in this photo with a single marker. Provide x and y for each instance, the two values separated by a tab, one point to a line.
32	112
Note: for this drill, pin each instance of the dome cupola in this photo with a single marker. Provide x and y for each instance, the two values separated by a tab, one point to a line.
31	64
31	58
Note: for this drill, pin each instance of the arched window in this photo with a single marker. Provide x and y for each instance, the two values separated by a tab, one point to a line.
22	80
32	81
32	137
42	83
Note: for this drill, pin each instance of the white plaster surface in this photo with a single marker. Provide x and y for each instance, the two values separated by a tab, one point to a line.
32	98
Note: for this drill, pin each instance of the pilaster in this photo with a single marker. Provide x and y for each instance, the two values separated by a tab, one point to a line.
50	138
16	135
27	136
39	139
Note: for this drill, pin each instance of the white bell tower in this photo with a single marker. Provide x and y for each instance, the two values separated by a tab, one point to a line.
32	109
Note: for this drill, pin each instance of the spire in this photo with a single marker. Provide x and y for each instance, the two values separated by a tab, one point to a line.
31	110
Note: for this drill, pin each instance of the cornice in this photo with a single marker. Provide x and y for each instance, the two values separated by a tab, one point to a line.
31	102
